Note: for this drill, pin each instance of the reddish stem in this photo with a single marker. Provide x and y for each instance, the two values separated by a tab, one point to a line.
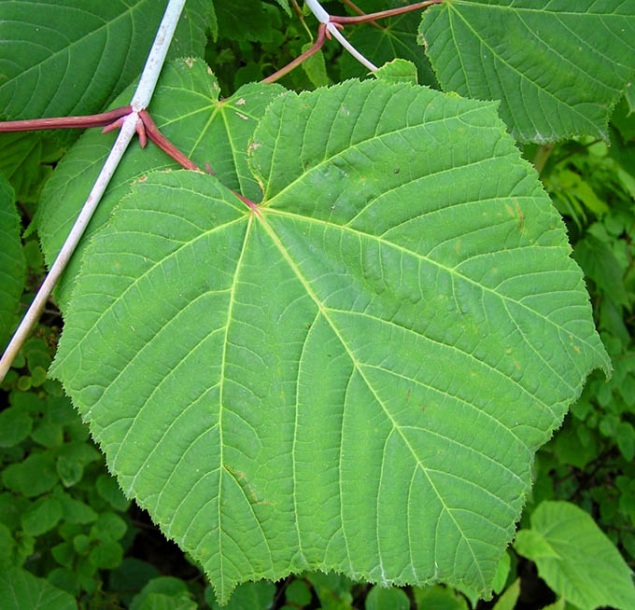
153	133
319	43
383	14
340	21
69	122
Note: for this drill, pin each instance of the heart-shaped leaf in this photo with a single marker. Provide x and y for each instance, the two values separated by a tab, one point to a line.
351	375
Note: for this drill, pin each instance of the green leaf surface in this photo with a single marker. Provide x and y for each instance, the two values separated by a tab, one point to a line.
397	71
12	262
353	375
19	589
186	107
15	426
584	567
65	57
558	67
32	477
508	600
43	516
25	159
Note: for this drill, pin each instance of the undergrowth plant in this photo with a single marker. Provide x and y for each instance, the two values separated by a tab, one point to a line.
322	316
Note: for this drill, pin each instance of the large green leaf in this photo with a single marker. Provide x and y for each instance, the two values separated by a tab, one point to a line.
187	109
576	559
558	66
64	57
355	374
12	261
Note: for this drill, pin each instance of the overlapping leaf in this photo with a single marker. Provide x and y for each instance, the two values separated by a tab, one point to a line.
186	107
557	66
64	57
353	376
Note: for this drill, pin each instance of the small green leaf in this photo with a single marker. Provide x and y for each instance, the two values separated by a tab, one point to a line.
106	555
43	516
70	471
78	451
315	67
15	426
397	71
584	567
625	437
297	593
48	434
559	68
33	477
502	573
64	553
381	598
65	579
76	511
507	601
81	543
20	590
109	527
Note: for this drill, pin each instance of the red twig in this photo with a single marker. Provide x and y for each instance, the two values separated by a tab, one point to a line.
69	122
319	43
384	14
341	21
163	143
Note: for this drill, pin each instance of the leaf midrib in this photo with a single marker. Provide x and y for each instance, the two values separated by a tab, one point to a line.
357	366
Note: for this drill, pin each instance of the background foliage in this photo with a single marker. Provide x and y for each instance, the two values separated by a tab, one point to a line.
68	535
